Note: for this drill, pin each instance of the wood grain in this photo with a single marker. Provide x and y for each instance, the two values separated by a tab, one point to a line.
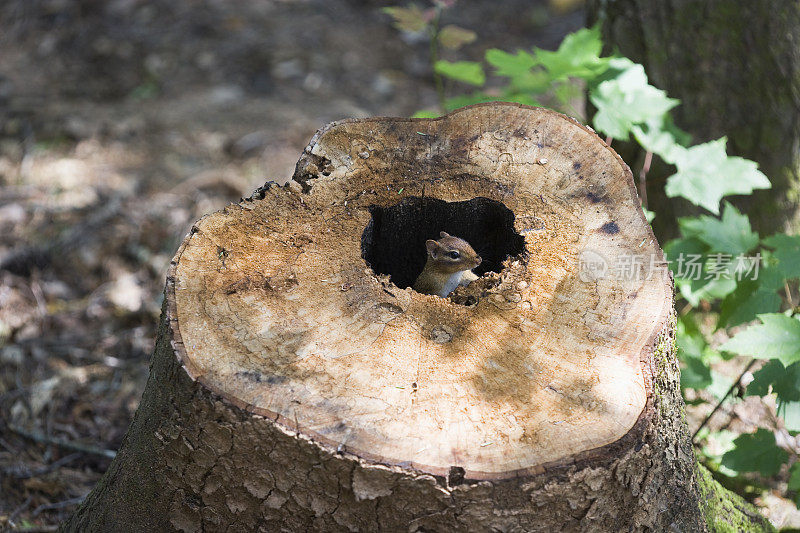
273	307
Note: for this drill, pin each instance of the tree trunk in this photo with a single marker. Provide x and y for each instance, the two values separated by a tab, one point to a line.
300	384
736	68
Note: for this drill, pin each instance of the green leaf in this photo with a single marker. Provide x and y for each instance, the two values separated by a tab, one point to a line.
536	81
700	288
784	381
790	412
617	65
423	113
454	37
777	337
794	477
756	452
764	377
696	374
627	100
478	97
706	174
412	19
794	482
464	71
660	136
771	277
649	215
467	99
578	56
720	385
748	300
518	67
654	139
567	93
716	445
688	325
510	65
683	248
690	264
730	235
787	252
690	341
520	98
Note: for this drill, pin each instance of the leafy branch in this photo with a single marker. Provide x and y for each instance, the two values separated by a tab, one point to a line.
417	21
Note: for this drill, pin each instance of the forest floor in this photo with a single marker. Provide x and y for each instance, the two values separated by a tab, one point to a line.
121	123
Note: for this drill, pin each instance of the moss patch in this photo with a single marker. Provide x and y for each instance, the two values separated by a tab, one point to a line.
726	511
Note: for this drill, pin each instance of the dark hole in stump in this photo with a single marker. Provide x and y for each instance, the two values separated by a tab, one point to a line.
456	476
393	242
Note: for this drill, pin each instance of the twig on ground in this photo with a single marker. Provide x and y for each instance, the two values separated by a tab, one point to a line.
22	259
18	511
57	505
722	400
61	443
46	469
7	446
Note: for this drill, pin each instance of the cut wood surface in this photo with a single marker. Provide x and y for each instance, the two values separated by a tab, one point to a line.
276	305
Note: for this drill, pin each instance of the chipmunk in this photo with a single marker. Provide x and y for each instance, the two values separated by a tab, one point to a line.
450	263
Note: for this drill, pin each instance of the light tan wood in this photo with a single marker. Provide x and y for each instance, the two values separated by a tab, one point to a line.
278	312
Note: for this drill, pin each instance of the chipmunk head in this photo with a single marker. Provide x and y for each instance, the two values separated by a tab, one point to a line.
452	254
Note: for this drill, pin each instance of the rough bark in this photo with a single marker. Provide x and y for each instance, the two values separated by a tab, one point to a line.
736	68
294	388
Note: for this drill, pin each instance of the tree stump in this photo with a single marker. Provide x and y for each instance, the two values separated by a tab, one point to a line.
300	384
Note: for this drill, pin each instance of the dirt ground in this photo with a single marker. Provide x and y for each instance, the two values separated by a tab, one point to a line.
121	123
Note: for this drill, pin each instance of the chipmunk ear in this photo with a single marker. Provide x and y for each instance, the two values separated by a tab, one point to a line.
433	247
443	235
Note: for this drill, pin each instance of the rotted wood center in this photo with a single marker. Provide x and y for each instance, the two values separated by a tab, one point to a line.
297	305
394	241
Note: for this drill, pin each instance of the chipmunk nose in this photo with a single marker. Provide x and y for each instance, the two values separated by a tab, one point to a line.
478	260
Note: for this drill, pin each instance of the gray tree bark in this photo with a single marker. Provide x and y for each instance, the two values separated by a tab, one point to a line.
735	66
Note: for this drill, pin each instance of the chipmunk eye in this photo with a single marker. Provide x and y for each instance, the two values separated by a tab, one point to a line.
454	255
